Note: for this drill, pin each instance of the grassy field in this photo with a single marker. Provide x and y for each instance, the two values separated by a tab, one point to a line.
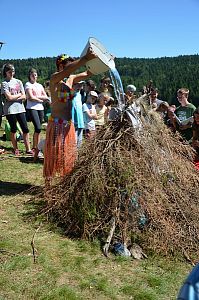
64	268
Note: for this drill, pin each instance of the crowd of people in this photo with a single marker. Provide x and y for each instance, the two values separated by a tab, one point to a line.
77	109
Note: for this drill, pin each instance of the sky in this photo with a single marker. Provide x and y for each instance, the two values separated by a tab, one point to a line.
127	28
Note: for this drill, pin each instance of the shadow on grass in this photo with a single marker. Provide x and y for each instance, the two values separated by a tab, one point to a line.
29	160
14	188
26	159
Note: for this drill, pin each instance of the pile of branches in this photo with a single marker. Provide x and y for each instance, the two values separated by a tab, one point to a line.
144	178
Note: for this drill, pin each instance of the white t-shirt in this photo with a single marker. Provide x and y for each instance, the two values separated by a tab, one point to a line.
88	122
37	91
13	86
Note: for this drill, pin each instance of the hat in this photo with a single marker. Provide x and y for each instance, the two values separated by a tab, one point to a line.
93	94
131	88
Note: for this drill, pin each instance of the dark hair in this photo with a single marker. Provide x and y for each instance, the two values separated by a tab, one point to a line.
90	83
63	59
6	68
196	111
32	70
105	78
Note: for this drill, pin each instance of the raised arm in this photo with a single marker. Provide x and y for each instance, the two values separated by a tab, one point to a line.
78	77
71	67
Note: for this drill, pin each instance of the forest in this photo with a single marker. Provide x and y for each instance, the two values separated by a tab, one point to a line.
168	73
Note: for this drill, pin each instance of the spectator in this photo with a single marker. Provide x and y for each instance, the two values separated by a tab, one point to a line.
184	112
106	86
13	96
36	96
129	96
88	86
195	128
153	97
77	114
90	115
101	111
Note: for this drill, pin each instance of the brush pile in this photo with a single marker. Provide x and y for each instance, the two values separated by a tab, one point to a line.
143	178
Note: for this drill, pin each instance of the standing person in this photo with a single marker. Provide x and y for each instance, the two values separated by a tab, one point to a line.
77	114
101	111
13	95
153	98
195	128
106	86
89	114
195	140
60	147
184	112
88	86
35	95
1	108
130	96
1	115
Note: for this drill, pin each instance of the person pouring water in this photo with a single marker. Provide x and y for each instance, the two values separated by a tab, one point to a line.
60	146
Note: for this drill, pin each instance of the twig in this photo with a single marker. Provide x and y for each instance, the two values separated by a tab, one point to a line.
109	238
34	250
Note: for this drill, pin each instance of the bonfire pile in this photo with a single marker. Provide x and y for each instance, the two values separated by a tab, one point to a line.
144	178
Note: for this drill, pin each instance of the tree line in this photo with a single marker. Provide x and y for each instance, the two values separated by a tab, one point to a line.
168	73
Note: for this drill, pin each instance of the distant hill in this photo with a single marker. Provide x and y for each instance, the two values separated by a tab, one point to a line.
168	73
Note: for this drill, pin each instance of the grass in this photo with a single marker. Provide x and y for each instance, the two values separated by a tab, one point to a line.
66	269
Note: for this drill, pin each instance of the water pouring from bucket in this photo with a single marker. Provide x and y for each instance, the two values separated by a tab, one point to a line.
105	62
102	63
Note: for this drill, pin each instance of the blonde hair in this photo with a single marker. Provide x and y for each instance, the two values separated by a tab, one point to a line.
183	91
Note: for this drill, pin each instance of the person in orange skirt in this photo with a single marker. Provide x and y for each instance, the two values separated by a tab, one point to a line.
60	147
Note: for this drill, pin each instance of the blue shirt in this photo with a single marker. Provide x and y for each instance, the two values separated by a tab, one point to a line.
77	114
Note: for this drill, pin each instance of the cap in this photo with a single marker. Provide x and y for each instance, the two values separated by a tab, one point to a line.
131	88
93	94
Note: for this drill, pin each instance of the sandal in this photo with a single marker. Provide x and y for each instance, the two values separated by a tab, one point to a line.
16	152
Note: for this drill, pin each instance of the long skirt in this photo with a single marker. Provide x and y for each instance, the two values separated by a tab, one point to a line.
60	149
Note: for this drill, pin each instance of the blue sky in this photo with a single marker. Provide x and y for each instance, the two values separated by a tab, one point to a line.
127	28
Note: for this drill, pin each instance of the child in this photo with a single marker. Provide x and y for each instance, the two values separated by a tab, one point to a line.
106	87
102	111
89	114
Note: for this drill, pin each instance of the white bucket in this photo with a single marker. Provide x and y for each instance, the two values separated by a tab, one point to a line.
104	60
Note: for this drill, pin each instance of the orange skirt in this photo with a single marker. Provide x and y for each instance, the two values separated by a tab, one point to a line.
60	149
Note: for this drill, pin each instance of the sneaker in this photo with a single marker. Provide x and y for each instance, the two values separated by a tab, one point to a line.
2	151
30	152
40	155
